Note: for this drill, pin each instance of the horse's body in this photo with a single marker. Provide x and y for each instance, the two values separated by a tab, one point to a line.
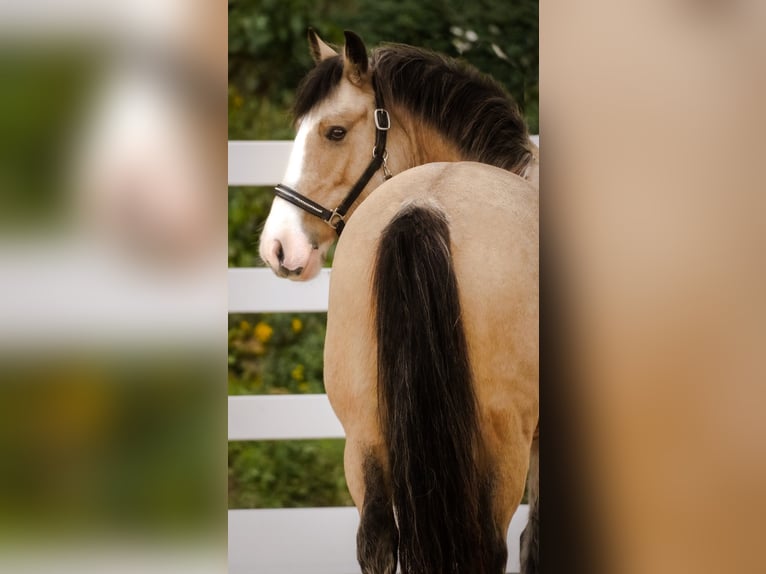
498	296
431	357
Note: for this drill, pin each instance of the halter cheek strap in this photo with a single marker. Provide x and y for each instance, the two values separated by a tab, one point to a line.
336	218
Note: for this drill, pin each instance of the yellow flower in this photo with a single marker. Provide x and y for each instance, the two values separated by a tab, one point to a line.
244	326
263	332
238	101
297	325
297	373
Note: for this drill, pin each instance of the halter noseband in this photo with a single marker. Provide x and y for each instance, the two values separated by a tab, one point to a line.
336	218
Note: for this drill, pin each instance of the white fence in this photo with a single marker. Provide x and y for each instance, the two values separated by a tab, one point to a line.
295	541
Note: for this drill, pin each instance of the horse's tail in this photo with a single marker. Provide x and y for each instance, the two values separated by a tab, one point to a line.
530	538
428	409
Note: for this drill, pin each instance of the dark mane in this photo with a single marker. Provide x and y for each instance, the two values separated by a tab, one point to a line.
317	85
470	108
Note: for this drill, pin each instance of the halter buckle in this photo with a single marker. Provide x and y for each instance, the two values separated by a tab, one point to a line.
382	120
335	219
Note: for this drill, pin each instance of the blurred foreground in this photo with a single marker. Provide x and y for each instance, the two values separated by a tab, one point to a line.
112	286
653	226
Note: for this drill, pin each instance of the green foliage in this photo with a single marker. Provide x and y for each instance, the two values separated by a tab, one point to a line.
499	37
276	353
115	442
268	55
42	98
248	209
287	474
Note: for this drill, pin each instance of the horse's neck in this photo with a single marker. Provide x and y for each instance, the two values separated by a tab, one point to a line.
418	144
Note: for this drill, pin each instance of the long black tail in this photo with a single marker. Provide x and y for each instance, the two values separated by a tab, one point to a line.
428	406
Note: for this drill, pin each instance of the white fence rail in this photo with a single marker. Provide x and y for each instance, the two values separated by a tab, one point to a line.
281	417
260	291
257	162
296	540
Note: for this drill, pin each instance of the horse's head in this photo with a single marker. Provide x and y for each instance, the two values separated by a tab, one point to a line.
336	132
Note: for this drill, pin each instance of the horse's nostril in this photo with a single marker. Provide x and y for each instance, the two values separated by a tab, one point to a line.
285	272
279	252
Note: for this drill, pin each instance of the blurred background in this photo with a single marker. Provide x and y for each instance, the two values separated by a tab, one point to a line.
268	56
112	286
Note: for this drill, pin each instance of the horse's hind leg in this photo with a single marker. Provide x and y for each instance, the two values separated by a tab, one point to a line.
377	538
530	536
495	549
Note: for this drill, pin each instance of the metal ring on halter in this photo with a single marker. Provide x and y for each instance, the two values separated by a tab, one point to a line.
335	219
375	153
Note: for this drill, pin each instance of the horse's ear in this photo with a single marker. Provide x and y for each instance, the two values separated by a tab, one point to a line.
354	58
319	50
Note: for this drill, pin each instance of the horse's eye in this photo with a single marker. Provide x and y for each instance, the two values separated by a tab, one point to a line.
336	133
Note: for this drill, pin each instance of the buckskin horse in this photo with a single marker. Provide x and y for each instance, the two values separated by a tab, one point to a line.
431	354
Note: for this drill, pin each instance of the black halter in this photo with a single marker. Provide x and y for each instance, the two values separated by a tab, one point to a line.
336	218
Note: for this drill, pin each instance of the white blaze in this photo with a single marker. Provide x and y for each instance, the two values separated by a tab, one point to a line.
295	163
284	216
284	222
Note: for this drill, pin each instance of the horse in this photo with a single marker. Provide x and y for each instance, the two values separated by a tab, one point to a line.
431	352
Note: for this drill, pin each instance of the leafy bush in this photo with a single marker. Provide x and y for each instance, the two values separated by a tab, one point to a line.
248	209
287	474
276	353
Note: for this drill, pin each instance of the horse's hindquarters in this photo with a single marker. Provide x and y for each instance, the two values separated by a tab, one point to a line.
493	226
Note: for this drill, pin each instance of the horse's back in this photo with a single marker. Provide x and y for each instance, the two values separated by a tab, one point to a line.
490	211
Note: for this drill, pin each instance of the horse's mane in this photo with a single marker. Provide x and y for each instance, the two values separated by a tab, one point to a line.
470	108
